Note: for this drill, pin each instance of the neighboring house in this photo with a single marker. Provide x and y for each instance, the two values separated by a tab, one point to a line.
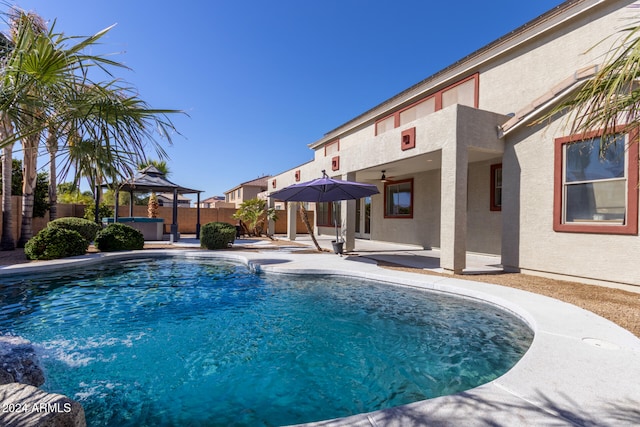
246	191
166	199
216	202
462	166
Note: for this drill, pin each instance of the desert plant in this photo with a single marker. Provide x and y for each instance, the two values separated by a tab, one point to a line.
255	213
217	235
152	207
55	242
87	229
119	237
104	211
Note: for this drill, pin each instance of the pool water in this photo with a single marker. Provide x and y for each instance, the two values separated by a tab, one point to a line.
173	342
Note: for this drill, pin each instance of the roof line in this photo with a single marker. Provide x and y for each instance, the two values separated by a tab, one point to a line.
545	17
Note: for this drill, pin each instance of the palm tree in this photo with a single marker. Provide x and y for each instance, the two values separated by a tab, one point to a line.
161	165
6	129
45	86
7	242
110	130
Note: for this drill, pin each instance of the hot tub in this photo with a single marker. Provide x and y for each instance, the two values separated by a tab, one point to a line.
151	228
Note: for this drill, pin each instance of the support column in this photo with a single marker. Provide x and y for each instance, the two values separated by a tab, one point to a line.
271	225
292	218
348	209
174	224
198	217
453	215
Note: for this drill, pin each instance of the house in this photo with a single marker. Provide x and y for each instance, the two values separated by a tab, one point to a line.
216	202
462	166
247	191
166	199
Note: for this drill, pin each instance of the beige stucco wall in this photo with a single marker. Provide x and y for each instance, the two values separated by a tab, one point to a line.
513	80
529	242
484	226
510	80
424	228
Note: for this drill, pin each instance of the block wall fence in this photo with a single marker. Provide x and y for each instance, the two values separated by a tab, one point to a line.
187	217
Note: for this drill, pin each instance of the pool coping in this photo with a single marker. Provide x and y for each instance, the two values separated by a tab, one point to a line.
581	369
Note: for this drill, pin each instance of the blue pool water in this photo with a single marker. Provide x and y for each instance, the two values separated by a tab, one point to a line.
172	342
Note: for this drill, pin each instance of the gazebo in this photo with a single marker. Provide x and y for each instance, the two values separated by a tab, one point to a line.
151	179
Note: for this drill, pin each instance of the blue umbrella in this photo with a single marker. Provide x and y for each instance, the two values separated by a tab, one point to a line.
325	189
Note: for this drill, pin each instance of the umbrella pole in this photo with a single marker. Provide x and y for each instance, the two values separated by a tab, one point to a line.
335	220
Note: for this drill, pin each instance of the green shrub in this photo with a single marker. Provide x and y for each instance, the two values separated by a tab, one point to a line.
85	227
119	237
104	211
55	242
217	235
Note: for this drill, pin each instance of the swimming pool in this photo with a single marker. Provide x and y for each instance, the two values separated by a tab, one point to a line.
176	342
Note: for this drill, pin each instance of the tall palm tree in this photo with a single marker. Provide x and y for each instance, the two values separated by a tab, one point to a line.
45	86
7	242
111	130
6	130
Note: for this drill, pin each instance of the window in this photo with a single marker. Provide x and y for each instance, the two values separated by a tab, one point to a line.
596	185
332	147
385	124
496	187
398	199
325	214
418	111
464	92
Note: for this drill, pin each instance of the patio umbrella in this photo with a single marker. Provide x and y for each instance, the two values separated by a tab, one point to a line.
325	189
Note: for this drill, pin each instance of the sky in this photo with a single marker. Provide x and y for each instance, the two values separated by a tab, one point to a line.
260	80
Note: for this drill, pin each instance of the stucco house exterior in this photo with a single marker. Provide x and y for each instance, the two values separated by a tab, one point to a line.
166	199
216	202
246	191
461	164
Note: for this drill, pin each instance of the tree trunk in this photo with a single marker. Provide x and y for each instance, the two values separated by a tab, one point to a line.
52	147
305	219
7	243
29	180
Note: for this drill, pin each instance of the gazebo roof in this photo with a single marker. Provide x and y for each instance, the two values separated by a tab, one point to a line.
151	179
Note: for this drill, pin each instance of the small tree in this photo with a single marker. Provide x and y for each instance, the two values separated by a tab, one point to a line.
217	235
255	213
104	211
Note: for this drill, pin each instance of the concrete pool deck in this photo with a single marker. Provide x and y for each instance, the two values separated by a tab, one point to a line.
581	369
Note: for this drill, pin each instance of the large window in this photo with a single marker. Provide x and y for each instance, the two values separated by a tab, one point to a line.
398	199
326	212
596	185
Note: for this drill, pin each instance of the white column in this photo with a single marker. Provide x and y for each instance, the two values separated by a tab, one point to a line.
271	225
348	211
453	215
292	210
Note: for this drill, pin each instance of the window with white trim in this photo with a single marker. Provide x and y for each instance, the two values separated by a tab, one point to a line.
594	181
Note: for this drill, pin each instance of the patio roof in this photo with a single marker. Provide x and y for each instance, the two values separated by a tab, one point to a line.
151	179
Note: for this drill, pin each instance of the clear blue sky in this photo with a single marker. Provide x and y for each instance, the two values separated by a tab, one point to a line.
260	80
